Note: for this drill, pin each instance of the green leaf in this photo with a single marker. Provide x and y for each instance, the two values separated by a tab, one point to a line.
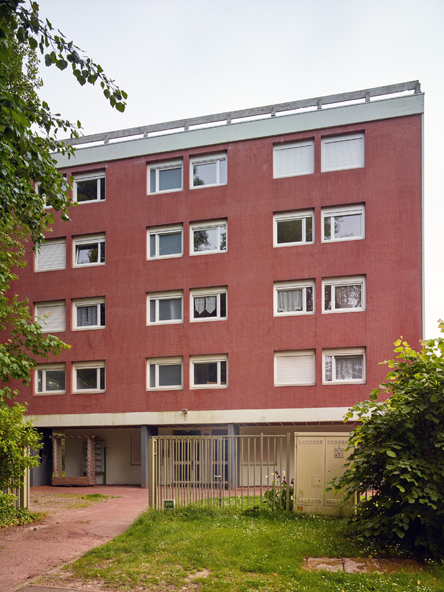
390	453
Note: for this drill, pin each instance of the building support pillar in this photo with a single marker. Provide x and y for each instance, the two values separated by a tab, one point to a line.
145	431
42	475
233	456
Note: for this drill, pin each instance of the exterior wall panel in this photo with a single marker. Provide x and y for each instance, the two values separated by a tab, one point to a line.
390	257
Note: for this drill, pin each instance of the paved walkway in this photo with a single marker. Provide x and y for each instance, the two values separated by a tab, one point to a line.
31	551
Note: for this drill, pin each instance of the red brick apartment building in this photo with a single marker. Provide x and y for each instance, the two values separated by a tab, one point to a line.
231	274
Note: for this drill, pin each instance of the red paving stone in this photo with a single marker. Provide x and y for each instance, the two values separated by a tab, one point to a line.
33	550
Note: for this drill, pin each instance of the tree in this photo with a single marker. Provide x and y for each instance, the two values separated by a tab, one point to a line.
28	129
28	139
398	452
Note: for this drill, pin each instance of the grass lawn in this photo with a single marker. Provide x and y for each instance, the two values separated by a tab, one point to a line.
207	549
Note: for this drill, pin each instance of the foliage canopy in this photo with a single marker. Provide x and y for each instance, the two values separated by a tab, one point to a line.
398	451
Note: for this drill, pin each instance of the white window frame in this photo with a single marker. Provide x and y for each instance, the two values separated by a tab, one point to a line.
78	241
82	366
37	255
213	224
164	230
300	144
157	296
202	292
295	354
208	159
44	368
341	353
162	166
342	211
209	359
173	361
82	302
301	215
89	177
41	320
341	138
297	285
339	282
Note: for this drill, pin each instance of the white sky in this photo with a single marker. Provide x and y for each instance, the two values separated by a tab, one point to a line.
184	58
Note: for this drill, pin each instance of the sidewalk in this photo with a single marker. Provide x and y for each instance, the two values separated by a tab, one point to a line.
31	551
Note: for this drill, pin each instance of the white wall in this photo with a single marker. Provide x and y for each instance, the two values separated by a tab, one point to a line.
119	470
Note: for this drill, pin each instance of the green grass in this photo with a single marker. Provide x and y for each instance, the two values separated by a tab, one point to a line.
236	551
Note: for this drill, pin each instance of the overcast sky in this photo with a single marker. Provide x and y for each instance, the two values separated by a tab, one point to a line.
184	58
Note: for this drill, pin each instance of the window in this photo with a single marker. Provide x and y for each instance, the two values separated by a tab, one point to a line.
294	228
165	242
89	187
291	160
164	373
89	250
208	237
165	308
208	304
50	379
89	377
342	152
344	294
88	314
209	371
294	368
51	316
208	171
293	298
343	366
343	223
165	176
51	256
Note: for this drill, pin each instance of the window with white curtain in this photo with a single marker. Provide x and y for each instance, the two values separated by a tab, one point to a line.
208	237
51	316
51	255
293	228
343	223
89	250
208	304
294	368
164	373
291	160
164	308
342	152
345	294
207	171
89	377
294	298
88	313
50	379
343	366
209	371
164	177
164	242
89	187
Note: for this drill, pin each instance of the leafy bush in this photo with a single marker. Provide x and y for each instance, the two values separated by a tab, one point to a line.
399	452
17	436
277	495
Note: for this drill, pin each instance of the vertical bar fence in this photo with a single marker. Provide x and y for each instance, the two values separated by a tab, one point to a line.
220	470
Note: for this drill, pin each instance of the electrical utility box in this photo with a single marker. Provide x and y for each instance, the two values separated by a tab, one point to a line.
318	457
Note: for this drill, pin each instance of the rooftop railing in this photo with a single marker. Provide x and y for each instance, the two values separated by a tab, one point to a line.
228	117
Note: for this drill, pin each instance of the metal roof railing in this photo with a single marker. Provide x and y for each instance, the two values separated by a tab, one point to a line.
186	124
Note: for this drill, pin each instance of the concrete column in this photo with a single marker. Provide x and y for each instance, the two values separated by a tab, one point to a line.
145	431
42	475
233	456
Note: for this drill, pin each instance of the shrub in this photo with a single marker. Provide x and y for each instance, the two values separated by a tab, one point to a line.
398	451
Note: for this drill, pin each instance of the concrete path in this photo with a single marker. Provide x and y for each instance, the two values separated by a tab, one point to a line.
31	551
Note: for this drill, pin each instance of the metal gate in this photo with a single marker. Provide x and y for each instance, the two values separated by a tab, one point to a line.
217	469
